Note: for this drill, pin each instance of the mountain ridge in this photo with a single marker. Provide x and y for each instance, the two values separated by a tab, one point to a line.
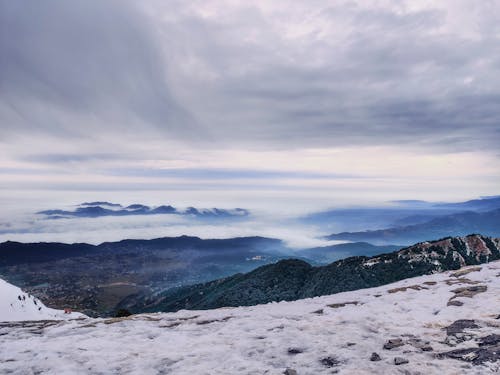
457	224
295	279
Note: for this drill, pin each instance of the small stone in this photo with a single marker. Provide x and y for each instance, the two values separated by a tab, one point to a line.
330	361
400	361
293	351
351	343
454	303
393	343
290	371
375	357
419	344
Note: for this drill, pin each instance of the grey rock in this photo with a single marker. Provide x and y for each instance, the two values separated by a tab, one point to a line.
476	356
489	340
400	361
290	371
419	344
375	357
458	326
330	361
393	343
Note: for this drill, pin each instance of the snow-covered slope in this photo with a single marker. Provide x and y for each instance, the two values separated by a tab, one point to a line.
444	323
15	305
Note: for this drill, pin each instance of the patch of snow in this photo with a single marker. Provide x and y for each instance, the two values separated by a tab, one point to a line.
15	305
319	335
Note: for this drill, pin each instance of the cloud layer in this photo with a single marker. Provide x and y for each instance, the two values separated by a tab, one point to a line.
282	93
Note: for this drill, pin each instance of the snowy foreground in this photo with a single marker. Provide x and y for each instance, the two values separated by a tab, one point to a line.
416	320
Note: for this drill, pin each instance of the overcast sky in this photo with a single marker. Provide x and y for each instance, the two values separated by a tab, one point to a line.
238	101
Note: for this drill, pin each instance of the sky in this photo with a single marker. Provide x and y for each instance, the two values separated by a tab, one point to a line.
285	106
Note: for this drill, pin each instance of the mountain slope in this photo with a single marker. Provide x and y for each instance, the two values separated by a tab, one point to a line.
15	305
424	325
93	279
328	254
296	279
487	223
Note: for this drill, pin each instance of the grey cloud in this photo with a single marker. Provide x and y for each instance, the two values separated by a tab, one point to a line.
65	64
237	81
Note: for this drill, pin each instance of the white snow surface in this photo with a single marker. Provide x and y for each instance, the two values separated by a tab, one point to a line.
15	305
256	340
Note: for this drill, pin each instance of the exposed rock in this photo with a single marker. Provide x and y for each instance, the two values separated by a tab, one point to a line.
458	326
492	339
400	361
476	356
293	351
319	312
419	344
290	371
210	321
330	361
393	343
461	280
455	331
343	304
430	282
469	291
375	357
465	271
405	288
454	303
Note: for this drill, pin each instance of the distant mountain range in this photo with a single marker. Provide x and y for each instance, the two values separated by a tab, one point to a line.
459	224
295	279
394	214
98	209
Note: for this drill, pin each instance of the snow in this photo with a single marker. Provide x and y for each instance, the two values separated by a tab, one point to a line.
256	340
15	305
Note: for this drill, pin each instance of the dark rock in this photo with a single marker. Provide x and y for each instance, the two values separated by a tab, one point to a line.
458	326
476	356
293	351
290	371
469	291
489	340
419	344
330	362
393	343
351	343
375	357
454	303
465	271
400	361
343	304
